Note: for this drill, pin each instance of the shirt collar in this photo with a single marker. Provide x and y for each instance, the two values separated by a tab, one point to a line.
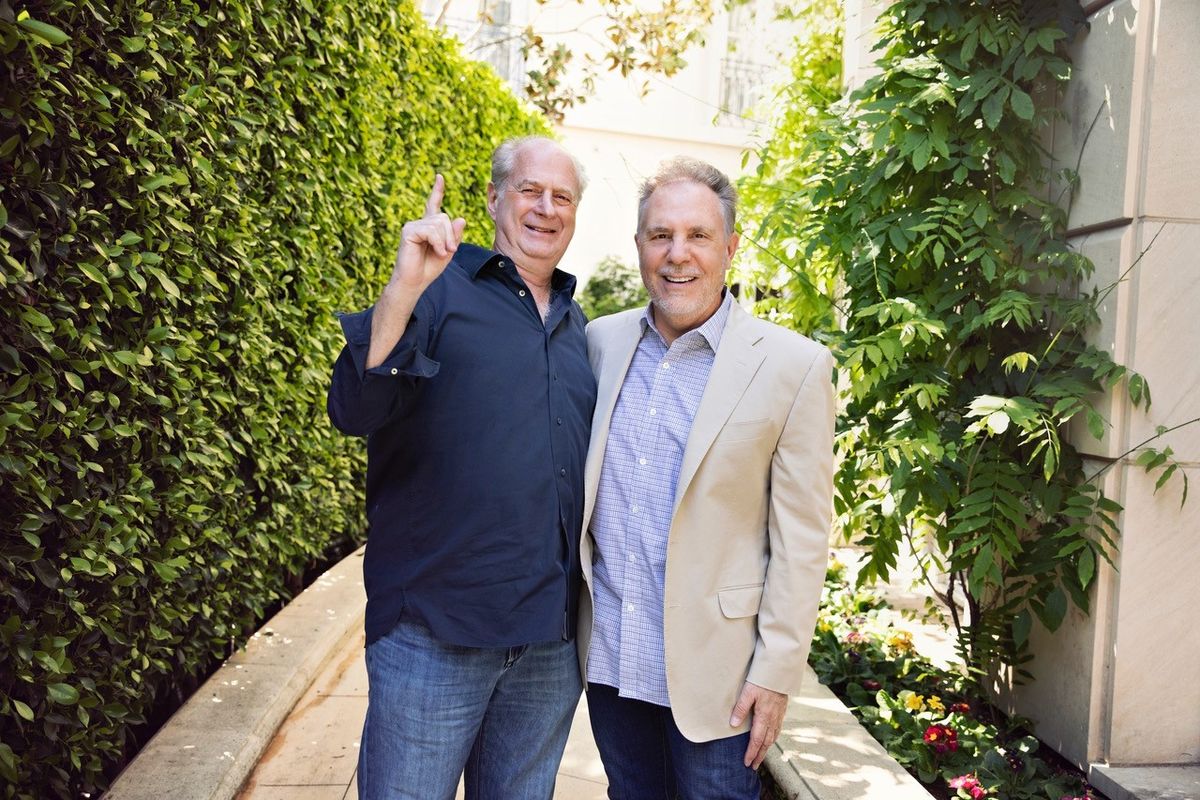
473	259
710	330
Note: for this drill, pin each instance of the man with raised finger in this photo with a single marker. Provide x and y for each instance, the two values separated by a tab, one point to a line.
469	378
708	505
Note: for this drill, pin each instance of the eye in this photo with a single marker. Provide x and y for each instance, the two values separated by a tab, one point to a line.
563	200
529	192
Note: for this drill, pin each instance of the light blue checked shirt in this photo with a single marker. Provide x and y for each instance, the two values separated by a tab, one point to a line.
646	439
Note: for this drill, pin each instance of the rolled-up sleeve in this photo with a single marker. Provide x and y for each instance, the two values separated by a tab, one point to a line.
361	399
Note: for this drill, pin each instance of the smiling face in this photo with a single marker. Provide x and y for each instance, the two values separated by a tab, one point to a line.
684	252
534	209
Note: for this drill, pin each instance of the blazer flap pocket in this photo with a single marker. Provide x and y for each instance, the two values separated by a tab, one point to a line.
741	601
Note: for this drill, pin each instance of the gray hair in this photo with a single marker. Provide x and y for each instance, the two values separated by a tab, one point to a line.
683	168
504	160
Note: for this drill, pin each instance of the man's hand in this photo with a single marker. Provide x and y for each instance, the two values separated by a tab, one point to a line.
427	244
426	247
766	709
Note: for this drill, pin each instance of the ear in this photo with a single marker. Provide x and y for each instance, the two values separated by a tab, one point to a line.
493	197
731	247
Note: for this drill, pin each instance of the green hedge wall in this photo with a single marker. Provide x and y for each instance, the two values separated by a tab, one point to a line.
190	190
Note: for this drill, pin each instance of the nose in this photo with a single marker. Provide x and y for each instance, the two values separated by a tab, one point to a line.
544	204
678	252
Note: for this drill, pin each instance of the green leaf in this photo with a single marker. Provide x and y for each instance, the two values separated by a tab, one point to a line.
1165	476
63	693
1054	610
1087	568
1022	625
25	711
993	107
157	183
1022	104
50	33
167	284
922	153
73	380
1095	423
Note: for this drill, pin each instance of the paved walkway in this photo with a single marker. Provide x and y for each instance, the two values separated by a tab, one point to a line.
314	755
282	719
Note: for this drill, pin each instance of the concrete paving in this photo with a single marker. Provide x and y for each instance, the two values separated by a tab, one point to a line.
282	719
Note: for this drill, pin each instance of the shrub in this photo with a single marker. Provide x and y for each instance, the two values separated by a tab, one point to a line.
189	192
614	286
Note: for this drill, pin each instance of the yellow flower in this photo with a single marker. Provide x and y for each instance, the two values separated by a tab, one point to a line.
912	701
900	641
935	705
823	626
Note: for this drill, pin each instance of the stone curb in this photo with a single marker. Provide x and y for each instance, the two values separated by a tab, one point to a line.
823	753
210	746
1148	782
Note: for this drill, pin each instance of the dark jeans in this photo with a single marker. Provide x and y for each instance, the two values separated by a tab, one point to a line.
647	758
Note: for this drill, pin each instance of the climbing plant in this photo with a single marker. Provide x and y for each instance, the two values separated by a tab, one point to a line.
910	223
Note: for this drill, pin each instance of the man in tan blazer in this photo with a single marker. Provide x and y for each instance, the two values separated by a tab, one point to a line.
707	510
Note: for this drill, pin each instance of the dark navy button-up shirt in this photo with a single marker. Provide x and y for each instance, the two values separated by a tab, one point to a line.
477	428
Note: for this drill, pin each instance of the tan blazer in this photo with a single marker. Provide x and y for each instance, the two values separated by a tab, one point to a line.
749	538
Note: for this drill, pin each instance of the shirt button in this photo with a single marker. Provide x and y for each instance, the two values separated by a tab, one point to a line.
642	461
521	292
632	557
629	607
394	370
653	412
563	472
666	365
634	509
559	420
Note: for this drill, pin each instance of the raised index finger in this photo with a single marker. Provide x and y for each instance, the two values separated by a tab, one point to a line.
433	205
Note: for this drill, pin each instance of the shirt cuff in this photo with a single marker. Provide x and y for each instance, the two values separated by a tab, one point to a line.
406	359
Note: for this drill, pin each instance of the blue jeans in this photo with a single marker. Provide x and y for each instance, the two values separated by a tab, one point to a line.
501	714
647	758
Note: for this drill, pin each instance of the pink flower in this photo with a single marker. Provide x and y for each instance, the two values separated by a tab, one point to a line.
969	784
942	739
854	637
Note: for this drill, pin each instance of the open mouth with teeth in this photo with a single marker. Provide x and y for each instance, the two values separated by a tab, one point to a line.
678	279
538	229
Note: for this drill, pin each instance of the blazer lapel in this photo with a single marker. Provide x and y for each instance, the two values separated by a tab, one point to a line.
738	359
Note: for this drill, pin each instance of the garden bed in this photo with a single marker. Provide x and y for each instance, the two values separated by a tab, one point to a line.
935	721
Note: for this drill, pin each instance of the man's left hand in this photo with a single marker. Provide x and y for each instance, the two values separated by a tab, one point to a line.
765	709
